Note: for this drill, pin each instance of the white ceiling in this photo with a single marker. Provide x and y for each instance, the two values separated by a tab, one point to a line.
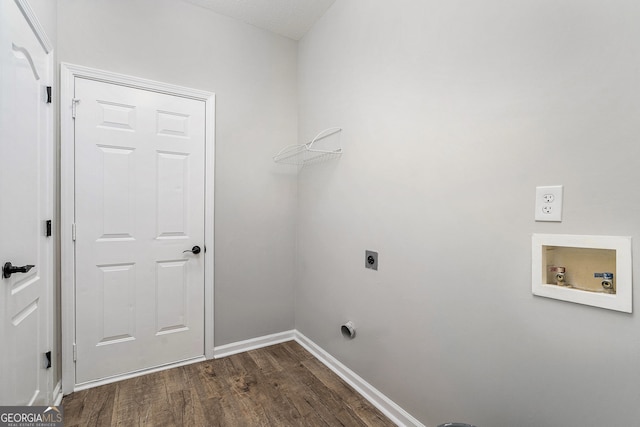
290	18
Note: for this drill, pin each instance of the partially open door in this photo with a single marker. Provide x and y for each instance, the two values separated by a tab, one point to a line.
26	200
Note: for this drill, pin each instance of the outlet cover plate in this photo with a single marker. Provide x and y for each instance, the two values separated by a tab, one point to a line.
549	203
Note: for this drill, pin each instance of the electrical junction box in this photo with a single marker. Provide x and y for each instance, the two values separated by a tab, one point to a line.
371	260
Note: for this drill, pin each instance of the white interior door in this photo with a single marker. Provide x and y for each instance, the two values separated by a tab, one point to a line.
139	210
26	189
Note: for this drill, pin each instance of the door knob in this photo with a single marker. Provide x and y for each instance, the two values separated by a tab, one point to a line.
8	269
194	250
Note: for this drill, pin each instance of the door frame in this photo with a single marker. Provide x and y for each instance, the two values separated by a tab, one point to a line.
68	74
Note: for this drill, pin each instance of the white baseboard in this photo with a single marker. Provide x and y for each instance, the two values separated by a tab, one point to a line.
252	344
388	407
57	394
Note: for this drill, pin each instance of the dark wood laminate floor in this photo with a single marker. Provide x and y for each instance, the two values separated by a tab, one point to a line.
281	385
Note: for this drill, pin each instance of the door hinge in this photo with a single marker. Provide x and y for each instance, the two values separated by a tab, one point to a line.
48	94
47	356
75	352
73	232
48	228
74	104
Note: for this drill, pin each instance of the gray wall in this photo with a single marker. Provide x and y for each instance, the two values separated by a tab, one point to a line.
46	11
453	112
253	74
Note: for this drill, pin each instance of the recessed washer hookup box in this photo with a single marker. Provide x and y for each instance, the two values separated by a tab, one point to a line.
590	270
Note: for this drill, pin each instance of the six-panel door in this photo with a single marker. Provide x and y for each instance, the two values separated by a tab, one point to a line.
140	165
26	202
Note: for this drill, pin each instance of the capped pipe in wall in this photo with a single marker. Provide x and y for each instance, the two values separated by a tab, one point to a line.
348	330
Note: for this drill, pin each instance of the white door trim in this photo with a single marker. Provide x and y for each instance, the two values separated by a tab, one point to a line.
68	73
35	25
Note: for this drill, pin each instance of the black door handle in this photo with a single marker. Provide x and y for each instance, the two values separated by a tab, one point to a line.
194	250
8	269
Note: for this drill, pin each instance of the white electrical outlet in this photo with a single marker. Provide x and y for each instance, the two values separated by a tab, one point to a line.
549	203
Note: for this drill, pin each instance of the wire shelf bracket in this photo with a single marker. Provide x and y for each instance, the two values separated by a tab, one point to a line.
304	154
